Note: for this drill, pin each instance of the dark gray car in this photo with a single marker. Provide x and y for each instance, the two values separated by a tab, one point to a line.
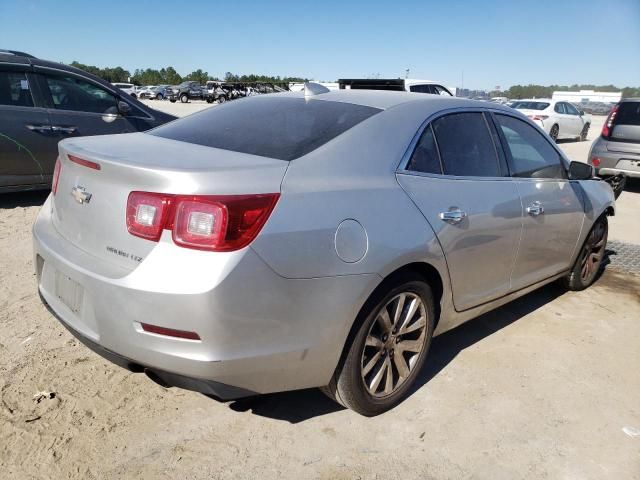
43	102
617	150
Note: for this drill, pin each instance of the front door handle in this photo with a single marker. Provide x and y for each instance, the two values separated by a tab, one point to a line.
535	209
39	128
64	130
452	216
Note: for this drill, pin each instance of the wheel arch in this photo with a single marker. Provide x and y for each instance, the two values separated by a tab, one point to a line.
427	271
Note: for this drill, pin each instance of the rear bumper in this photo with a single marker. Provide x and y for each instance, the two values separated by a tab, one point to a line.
613	163
260	332
208	387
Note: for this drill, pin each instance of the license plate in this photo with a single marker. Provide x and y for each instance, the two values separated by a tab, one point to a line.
69	292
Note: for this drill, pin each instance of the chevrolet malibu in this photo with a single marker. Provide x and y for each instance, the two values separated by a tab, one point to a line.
312	239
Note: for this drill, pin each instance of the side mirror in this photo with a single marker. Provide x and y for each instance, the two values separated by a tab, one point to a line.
581	112
123	108
580	171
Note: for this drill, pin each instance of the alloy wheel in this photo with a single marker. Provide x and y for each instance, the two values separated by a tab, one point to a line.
395	341
592	252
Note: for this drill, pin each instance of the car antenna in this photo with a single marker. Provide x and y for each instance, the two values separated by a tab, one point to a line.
312	88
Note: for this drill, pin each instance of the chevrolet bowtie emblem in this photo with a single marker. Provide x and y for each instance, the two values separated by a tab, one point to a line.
80	194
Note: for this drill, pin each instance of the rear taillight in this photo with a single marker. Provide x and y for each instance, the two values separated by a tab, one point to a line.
147	214
595	161
220	223
608	124
56	176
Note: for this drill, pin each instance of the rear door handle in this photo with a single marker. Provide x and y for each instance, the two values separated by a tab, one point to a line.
535	209
452	216
64	130
39	128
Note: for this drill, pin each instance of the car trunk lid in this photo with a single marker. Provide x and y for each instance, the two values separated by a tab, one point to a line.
89	208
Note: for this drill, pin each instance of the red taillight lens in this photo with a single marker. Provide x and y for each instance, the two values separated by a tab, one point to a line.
608	124
595	161
200	224
56	176
219	223
147	214
538	117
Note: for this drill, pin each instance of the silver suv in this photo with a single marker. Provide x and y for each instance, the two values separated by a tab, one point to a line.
617	150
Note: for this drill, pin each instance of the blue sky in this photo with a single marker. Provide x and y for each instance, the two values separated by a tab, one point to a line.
492	42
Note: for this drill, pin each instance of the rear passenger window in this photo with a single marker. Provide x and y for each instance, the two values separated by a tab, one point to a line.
425	157
14	89
465	145
531	155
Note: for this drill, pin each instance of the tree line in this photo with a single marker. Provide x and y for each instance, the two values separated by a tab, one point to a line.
541	91
169	76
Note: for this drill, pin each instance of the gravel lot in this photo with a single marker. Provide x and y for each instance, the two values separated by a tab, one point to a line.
546	387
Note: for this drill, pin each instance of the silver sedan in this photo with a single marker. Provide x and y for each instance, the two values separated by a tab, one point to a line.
313	239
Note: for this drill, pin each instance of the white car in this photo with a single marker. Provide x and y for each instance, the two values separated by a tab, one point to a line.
128	88
561	120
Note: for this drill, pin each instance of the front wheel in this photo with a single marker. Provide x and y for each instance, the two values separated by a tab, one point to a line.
184	98
584	133
159	96
222	99
589	261
388	349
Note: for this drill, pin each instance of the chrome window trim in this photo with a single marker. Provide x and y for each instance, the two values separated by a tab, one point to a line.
406	157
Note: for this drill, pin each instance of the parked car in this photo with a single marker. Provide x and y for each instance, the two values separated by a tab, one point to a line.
617	149
561	120
215	92
155	92
187	253
189	90
394	84
143	91
128	88
43	102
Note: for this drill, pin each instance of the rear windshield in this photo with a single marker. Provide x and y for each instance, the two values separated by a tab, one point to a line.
277	127
628	114
530	105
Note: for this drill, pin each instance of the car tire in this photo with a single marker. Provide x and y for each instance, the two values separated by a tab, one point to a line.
222	99
590	259
585	132
184	98
172	100
159	96
554	132
209	100
380	364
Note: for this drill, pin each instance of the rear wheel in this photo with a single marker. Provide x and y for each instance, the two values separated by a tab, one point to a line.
389	348
584	133
590	258
159	96
221	99
553	133
184	98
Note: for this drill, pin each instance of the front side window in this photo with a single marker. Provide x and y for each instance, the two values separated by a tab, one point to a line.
72	93
425	158
15	90
570	109
529	152
465	145
440	90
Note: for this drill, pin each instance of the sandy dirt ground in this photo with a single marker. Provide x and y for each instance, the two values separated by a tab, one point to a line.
545	387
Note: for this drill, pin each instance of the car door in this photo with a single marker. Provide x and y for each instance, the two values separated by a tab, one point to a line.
553	205
457	178
28	148
79	106
574	118
564	126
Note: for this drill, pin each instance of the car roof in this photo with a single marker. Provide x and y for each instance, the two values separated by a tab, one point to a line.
385	100
545	100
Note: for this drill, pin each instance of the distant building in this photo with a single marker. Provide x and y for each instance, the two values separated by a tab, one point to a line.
584	96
